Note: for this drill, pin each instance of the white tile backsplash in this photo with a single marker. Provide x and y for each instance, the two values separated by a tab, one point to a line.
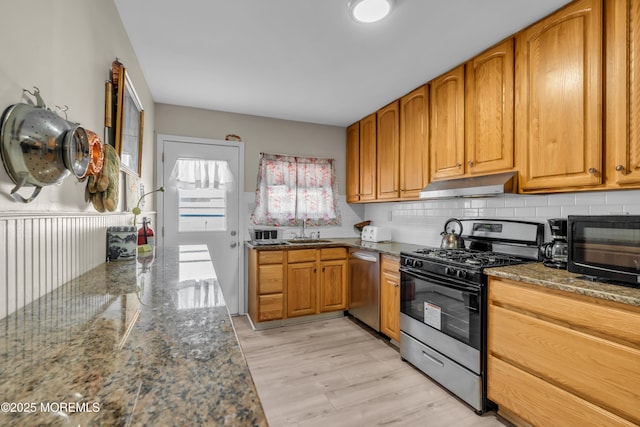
421	222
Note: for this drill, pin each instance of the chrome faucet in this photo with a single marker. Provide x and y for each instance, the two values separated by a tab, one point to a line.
302	236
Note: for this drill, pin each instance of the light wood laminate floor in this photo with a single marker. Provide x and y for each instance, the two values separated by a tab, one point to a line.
338	373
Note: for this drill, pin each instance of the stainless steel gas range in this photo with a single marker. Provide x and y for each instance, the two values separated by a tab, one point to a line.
443	302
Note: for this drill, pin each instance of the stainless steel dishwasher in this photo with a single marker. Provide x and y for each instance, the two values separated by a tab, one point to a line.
364	286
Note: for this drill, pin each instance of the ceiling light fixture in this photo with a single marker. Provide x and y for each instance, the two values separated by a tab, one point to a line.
368	11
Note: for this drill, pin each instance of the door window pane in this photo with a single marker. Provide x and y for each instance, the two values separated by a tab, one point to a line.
202	192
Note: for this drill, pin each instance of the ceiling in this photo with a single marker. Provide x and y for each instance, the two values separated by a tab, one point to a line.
307	60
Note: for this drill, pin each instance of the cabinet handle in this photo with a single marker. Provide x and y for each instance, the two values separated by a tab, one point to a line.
395	284
619	168
458	165
323	269
315	270
592	171
470	163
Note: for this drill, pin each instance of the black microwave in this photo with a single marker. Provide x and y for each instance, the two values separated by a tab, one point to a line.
605	247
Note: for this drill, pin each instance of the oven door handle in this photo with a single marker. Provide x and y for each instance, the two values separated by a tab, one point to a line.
447	282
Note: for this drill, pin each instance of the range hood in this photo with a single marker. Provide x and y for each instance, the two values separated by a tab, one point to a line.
476	186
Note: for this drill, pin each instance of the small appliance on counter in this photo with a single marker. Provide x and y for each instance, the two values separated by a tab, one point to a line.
605	248
555	252
372	233
265	236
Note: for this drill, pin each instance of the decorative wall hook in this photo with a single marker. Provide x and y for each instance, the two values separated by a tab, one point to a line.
64	110
36	94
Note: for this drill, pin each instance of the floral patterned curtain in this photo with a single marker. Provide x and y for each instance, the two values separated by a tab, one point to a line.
295	189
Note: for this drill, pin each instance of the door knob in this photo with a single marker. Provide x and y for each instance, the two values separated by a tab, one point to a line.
592	171
234	244
619	168
233	232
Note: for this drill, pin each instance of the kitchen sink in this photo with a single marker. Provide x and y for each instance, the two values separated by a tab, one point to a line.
306	241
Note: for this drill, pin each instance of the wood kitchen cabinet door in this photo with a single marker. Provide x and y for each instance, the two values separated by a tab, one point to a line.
334	279
368	158
558	99
388	152
302	282
390	297
414	142
361	160
302	287
353	163
489	105
447	125
333	285
623	90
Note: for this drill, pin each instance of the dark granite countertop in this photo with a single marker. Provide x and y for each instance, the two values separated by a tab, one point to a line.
389	248
128	344
552	278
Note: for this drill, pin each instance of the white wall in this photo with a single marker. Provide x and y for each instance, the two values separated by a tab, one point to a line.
262	134
65	48
421	222
259	134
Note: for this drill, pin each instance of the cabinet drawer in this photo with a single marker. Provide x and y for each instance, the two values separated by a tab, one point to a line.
541	403
271	279
301	255
390	263
271	307
270	257
610	319
333	253
600	371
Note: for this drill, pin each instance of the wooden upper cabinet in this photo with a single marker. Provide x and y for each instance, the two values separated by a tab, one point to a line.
623	91
361	160
368	158
353	163
489	110
447	125
558	99
388	152
414	142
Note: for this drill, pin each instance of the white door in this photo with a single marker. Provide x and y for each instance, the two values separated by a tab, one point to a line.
201	204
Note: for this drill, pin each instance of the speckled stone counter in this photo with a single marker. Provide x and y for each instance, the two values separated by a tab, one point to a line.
390	248
128	344
538	274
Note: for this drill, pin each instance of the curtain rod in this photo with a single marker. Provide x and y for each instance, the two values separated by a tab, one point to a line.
297	156
262	153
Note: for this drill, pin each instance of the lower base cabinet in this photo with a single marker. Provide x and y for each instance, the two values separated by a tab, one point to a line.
334	280
291	283
390	296
302	282
562	359
266	285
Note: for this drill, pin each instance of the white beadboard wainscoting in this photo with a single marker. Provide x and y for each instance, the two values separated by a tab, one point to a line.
39	252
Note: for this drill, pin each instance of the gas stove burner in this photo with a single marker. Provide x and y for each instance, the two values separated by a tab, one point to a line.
467	257
443	253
